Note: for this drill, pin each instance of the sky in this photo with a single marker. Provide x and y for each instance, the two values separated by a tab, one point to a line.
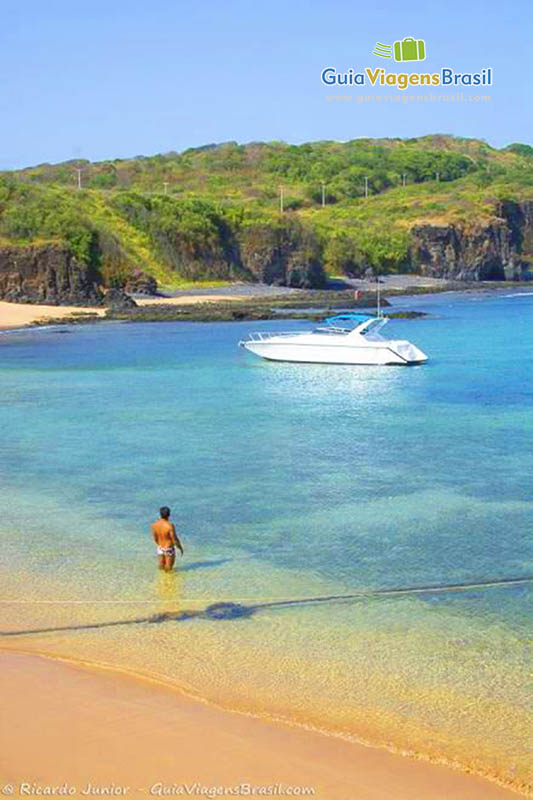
116	79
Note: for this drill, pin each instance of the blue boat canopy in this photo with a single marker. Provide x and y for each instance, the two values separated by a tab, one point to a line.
349	317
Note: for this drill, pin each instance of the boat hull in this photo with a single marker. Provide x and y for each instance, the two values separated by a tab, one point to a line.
402	354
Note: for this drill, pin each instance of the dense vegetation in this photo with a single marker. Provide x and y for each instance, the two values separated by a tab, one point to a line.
192	215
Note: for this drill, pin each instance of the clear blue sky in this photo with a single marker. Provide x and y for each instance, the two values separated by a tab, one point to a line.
116	79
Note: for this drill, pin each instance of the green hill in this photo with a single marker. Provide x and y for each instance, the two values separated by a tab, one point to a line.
213	212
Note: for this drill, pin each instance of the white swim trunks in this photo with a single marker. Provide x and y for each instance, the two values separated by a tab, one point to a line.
166	551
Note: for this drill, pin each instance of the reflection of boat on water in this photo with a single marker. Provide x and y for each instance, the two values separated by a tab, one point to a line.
344	339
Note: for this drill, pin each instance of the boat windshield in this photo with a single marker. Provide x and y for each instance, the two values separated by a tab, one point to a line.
363	324
346	323
374	325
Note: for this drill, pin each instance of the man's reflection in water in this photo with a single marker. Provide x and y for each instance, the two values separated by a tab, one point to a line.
169	591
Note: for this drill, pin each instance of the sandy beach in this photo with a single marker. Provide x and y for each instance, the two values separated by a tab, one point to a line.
189	299
66	724
63	724
19	315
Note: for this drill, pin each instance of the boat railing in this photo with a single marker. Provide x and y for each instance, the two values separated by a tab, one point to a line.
263	336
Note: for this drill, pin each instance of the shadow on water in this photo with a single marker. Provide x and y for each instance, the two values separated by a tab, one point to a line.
226	611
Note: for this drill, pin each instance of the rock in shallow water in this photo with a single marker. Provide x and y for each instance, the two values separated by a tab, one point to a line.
118	300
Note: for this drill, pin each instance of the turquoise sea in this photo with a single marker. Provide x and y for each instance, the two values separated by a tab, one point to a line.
287	483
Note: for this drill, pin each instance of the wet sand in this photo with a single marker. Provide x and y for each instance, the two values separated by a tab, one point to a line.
67	724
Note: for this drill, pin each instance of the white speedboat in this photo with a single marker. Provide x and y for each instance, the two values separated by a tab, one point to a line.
344	339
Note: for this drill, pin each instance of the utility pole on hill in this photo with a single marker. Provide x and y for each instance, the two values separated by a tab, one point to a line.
165	187
404	176
323	194
79	170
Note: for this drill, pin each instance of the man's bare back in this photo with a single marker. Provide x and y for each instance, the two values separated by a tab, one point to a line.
166	539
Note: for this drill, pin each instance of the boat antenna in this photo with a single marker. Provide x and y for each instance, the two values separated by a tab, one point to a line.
379	295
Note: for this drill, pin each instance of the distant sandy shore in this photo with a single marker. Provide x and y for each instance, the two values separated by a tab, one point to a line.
189	299
64	724
18	315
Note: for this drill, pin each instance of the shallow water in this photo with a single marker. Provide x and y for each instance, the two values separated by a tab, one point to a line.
286	481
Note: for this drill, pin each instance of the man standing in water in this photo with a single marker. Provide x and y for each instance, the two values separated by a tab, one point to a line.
167	541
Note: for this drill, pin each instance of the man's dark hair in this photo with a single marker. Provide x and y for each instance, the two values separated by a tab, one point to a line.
165	512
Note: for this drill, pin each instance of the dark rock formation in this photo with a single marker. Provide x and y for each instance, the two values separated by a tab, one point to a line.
280	254
284	256
203	258
118	300
199	242
141	283
519	219
283	252
47	274
498	251
445	251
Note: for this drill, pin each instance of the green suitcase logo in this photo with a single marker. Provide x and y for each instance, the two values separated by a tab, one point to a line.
409	49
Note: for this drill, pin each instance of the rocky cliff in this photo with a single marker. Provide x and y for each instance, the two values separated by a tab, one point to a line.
198	240
281	253
47	274
50	273
286	255
497	251
213	213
